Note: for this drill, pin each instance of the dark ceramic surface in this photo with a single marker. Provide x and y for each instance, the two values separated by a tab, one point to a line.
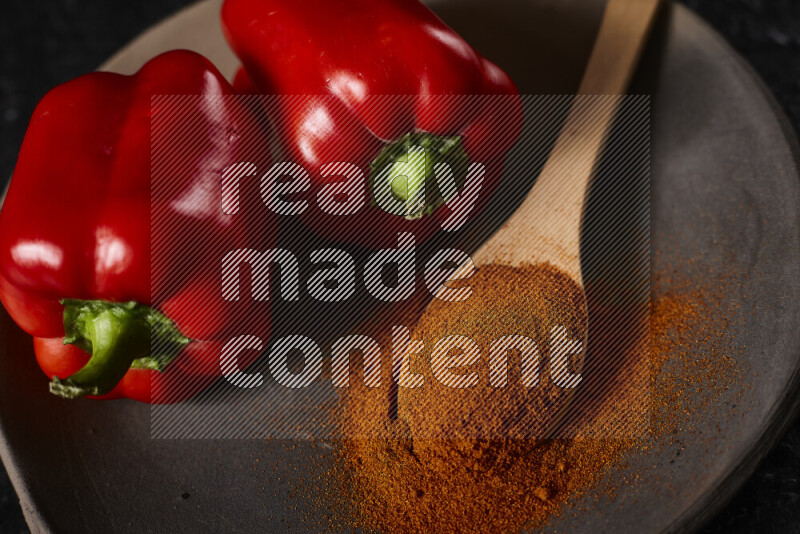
725	185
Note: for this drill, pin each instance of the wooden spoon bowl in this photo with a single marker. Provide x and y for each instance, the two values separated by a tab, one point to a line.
539	247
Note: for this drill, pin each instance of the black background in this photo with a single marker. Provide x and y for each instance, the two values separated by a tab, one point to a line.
43	44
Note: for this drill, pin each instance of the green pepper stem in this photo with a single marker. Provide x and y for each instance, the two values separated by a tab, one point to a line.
403	178
118	336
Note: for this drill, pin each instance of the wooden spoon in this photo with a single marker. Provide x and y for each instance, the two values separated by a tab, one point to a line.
547	225
545	229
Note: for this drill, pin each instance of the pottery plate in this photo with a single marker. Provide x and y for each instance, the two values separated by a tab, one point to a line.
725	197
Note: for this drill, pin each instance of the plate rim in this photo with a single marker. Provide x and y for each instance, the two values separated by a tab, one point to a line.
786	412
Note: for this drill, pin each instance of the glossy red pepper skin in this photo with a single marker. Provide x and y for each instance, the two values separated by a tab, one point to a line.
76	222
339	59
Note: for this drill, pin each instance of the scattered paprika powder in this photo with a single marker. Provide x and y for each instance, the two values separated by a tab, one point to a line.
395	483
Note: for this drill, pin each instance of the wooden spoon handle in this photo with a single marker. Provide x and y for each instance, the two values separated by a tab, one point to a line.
547	224
620	41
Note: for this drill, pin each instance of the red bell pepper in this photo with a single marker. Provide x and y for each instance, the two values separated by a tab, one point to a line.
367	81
114	310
